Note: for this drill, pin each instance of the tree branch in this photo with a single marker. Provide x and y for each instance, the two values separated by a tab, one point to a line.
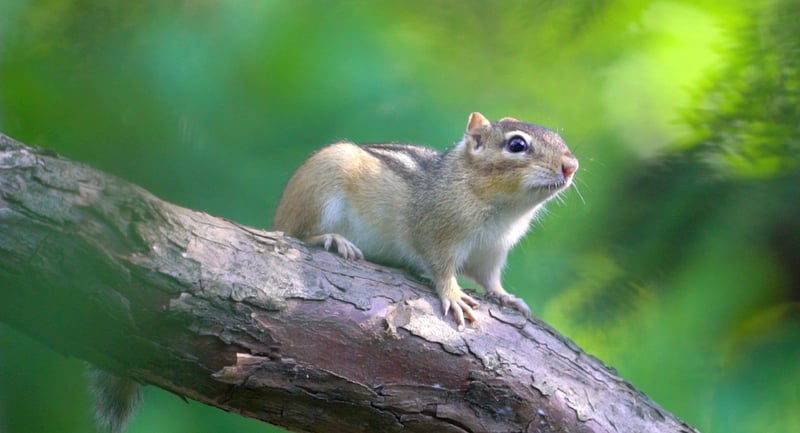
253	322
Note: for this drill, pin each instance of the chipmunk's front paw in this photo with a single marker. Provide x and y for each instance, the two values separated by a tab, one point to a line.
509	300
462	306
345	248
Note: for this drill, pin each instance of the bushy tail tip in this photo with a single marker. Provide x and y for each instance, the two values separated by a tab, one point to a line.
115	399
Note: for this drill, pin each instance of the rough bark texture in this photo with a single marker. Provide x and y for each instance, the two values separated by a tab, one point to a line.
253	322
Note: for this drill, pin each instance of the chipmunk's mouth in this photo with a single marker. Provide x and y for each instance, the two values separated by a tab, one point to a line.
554	186
549	184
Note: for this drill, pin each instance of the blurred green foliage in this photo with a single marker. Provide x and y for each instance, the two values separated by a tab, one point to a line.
679	266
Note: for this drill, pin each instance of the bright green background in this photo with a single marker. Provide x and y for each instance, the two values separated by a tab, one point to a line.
679	266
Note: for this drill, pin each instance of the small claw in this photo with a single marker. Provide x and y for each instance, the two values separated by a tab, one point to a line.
344	248
459	316
467	310
445	306
354	252
470	301
457	313
461	308
348	250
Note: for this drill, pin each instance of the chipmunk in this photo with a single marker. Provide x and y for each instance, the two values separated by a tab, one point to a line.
440	214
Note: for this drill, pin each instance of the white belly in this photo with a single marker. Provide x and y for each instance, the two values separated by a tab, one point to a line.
383	244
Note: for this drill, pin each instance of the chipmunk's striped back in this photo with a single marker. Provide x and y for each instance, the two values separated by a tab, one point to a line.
360	197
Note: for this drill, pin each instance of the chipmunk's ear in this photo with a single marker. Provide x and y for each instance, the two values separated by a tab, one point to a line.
508	119
476	122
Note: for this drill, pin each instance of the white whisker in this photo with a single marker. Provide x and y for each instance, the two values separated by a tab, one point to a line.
575	185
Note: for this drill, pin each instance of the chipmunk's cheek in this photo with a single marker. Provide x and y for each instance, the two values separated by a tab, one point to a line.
536	180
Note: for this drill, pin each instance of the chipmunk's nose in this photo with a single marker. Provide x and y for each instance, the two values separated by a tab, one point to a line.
569	164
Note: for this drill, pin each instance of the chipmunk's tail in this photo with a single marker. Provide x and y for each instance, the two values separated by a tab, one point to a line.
115	399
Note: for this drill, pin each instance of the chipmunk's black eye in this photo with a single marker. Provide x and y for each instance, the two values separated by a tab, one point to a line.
517	144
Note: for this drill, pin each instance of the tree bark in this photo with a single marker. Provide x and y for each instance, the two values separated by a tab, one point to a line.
256	323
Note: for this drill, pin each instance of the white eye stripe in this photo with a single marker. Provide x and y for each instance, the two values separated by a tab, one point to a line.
522	134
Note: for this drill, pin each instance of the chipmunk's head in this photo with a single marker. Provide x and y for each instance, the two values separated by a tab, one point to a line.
517	160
